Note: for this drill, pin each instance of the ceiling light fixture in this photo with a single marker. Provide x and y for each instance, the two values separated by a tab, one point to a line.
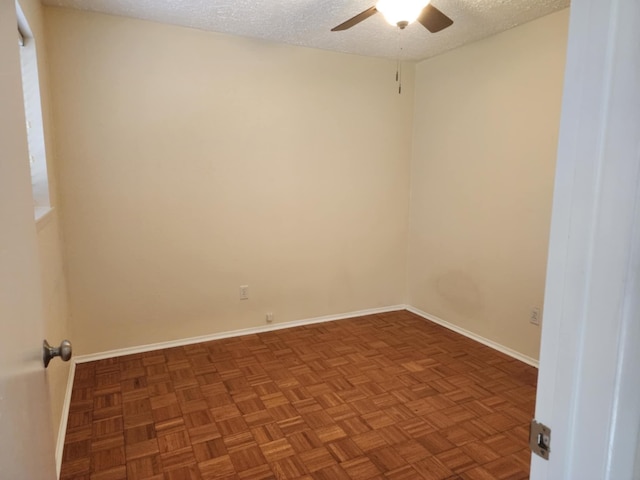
401	12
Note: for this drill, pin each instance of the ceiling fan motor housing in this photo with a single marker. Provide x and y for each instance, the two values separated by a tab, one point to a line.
429	16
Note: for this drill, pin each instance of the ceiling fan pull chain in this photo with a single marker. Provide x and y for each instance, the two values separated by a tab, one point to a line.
398	63
399	74
399	77
398	58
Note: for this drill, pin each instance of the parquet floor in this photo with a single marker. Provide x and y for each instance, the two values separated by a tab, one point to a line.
386	396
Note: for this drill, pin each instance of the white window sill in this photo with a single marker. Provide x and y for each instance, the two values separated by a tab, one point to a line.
43	216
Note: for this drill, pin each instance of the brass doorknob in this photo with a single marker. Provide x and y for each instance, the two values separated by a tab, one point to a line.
49	352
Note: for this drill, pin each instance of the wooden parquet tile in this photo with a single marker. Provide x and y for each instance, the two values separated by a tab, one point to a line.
386	397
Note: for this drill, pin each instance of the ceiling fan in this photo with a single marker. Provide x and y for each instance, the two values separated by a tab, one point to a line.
401	13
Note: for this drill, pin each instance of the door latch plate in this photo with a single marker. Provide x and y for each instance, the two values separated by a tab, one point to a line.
540	439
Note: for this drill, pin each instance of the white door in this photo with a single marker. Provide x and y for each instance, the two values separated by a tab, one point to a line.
589	379
26	439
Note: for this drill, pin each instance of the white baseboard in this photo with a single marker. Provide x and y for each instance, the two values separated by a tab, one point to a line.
233	333
62	429
473	336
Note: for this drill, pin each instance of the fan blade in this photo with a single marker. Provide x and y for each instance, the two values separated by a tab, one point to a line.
433	19
355	20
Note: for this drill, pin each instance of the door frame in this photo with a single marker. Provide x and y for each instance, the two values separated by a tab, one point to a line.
588	389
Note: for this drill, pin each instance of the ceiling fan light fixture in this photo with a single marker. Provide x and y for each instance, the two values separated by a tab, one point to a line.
401	12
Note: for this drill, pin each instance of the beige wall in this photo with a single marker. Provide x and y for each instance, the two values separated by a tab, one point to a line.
54	287
56	308
192	163
485	133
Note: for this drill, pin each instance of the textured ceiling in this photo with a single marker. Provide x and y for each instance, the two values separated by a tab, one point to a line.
308	22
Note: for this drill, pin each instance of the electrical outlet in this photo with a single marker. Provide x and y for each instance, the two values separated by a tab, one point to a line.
534	316
244	292
269	317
